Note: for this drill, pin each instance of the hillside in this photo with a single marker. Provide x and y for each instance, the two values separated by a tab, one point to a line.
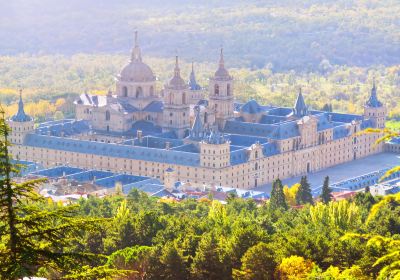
282	35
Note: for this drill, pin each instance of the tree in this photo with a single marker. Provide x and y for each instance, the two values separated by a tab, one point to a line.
277	200
134	259
173	263
294	268
58	115
257	263
326	195
290	194
244	236
33	233
206	263
303	195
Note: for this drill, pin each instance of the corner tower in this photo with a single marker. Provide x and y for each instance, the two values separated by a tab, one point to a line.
221	94
176	114
375	110
20	124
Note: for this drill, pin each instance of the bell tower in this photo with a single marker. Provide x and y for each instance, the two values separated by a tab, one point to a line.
221	94
375	110
176	114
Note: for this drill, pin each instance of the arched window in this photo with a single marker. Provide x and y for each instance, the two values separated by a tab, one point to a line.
228	89
205	117
170	98
151	91
216	89
183	98
108	115
256	154
125	91
139	92
256	166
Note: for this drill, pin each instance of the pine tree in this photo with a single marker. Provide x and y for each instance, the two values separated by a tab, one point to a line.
303	195
33	234
277	199
206	263
326	195
173	263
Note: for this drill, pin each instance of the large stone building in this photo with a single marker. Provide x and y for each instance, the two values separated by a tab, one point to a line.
179	134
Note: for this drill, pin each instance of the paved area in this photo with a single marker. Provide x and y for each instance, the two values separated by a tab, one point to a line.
344	171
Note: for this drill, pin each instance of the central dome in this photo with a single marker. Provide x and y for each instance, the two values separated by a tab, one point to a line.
137	71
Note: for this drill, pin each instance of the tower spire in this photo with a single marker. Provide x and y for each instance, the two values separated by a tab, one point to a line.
221	72
373	100
192	80
177	71
136	53
21	116
300	107
221	59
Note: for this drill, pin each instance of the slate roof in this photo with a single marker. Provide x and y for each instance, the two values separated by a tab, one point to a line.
65	127
155	107
251	107
112	150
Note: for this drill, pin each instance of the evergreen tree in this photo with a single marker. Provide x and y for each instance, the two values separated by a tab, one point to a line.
258	263
206	263
326	195
173	263
303	195
277	200
33	233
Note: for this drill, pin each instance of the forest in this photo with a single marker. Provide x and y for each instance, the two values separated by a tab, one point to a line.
281	35
290	236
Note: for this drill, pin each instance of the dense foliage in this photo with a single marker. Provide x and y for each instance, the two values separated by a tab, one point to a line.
243	240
